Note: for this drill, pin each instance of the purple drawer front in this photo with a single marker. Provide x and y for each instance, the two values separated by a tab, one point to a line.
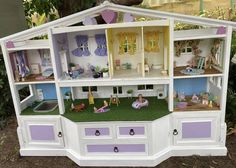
97	131
131	131
196	130
116	148
42	132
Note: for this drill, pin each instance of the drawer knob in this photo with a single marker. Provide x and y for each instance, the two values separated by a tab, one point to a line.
59	134
116	150
97	133
131	132
175	132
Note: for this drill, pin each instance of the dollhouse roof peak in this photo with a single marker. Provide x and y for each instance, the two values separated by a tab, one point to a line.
107	5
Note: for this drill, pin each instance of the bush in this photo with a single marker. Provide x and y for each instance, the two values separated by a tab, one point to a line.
6	105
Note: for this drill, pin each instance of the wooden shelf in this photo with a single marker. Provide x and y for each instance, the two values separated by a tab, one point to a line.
197	34
208	73
30	45
197	106
31	79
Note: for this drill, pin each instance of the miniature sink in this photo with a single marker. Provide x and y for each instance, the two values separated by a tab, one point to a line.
46	106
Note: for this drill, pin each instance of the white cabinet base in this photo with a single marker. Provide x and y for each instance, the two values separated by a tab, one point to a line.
42	152
147	161
76	141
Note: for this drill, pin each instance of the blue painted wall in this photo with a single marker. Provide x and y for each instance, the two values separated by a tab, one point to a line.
190	86
64	90
49	91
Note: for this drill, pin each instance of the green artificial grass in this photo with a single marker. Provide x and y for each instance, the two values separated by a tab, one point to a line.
124	112
29	111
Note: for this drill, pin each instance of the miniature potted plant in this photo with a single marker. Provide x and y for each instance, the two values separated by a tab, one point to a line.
97	72
105	72
129	93
68	95
72	66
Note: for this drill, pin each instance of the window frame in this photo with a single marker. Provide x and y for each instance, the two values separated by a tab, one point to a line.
87	89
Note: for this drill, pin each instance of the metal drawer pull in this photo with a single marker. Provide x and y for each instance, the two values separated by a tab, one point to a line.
116	150
175	132
131	132
97	133
59	134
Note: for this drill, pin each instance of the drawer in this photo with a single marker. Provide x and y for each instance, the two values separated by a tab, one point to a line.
116	148
97	132
131	131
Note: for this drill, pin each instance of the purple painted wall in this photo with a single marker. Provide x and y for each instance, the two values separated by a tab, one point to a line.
120	147
42	132
196	129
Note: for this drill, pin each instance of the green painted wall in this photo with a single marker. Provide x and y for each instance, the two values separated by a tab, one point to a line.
12	17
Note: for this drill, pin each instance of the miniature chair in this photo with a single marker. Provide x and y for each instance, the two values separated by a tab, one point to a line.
114	100
146	68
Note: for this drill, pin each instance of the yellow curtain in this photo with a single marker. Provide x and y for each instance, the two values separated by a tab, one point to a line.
121	38
152	39
131	37
127	43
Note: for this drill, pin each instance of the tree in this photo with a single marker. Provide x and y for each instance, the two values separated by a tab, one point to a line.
66	7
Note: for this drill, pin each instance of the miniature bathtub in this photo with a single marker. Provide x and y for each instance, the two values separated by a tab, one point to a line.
138	105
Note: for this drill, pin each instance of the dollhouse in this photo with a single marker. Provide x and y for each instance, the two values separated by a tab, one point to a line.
123	93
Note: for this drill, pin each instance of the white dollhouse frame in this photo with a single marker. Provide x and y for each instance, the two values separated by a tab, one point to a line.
158	139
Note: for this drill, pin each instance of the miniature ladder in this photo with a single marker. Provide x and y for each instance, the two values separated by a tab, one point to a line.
201	62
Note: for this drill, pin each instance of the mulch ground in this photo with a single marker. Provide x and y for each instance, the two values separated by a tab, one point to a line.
10	158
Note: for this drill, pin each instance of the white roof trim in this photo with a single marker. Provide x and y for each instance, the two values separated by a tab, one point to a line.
78	17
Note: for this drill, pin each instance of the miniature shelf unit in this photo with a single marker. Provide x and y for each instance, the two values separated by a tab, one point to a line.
183	75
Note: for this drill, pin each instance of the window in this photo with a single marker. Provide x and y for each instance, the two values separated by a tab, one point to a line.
117	90
149	87
186	50
24	93
101	49
145	87
127	43
86	88
152	39
82	43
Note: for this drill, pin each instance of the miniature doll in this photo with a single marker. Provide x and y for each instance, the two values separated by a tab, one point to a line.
210	104
181	97
90	97
103	109
205	99
195	98
114	100
140	102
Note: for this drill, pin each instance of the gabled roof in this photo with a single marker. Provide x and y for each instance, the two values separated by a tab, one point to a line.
78	17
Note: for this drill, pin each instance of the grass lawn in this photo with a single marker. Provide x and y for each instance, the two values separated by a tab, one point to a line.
124	112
